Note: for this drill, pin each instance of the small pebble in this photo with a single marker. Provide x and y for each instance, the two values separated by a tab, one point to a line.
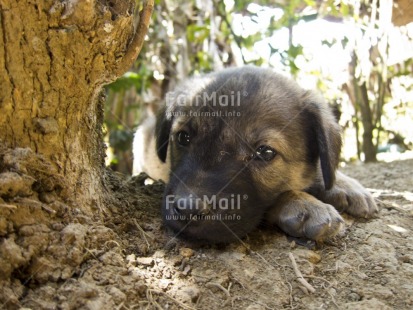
192	292
186	270
131	258
353	297
186	252
146	261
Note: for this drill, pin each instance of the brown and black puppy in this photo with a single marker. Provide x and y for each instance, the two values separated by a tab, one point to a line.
247	145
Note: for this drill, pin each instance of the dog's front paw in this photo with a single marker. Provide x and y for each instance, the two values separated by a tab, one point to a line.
349	196
301	215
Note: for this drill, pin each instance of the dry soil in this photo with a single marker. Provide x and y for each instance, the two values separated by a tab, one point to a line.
128	261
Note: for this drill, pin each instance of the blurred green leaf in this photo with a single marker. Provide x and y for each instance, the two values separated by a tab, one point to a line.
121	139
197	33
125	82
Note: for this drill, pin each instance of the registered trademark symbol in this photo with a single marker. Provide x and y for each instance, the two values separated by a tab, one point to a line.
245	197
244	93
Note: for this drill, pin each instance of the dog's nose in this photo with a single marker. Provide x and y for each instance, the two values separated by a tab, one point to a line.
190	208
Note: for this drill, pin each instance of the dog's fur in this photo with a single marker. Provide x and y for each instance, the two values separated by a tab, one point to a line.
296	190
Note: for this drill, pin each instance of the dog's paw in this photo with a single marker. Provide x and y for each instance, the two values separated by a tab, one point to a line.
349	196
301	215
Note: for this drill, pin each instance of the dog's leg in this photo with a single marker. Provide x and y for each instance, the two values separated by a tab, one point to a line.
301	215
348	195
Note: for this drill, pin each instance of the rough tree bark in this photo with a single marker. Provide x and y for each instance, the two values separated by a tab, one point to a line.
55	56
369	149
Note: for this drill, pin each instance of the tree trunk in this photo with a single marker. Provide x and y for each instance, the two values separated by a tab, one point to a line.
55	57
358	94
369	148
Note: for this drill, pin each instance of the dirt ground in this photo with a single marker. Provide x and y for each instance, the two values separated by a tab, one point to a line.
130	262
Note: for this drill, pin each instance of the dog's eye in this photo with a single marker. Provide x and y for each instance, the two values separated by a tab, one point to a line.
265	152
183	138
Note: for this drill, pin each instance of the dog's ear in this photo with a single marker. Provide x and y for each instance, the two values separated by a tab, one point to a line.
323	140
162	131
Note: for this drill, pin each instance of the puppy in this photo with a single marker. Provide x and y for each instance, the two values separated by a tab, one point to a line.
247	145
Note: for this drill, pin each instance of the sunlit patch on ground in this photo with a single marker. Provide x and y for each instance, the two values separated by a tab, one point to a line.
392	156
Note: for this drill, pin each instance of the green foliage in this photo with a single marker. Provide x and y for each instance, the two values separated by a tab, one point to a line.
125	82
120	139
138	80
198	33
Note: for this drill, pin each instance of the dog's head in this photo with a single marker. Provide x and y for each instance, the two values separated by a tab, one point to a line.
236	139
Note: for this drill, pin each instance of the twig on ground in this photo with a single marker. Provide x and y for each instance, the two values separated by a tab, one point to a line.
392	206
304	289
120	306
333	300
149	296
263	259
217	285
112	241
300	277
238	281
320	278
229	287
144	234
151	300
226	291
91	253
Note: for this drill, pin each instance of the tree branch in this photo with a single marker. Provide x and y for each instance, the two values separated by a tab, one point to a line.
136	44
